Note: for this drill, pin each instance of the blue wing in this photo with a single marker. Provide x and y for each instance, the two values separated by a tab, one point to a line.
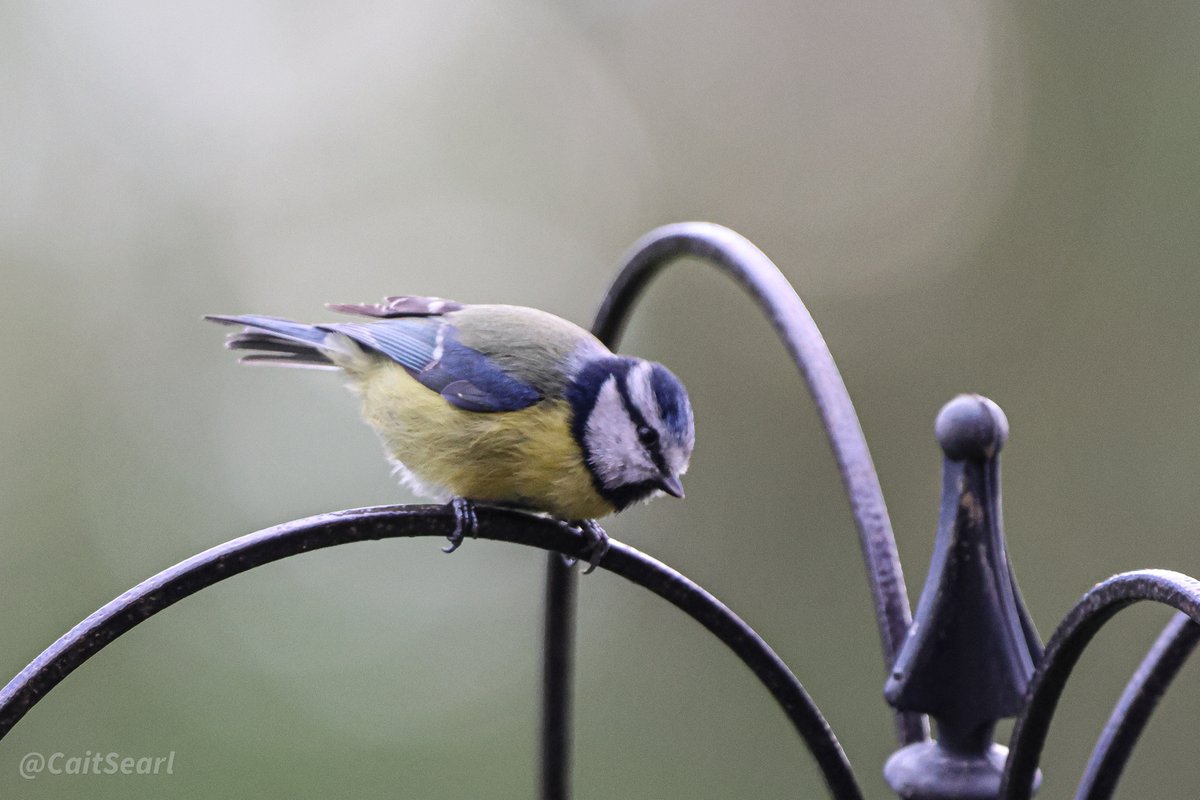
428	348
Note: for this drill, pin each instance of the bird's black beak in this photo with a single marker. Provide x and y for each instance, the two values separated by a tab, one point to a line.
671	485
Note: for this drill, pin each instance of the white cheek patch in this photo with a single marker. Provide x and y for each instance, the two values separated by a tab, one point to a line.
611	438
641	394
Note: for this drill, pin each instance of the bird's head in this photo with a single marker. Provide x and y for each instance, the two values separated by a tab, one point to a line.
633	422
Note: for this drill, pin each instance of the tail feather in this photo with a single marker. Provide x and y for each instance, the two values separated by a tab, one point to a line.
270	342
297	331
282	342
315	361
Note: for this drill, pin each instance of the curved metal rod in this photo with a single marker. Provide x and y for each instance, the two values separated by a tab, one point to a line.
1132	712
741	260
326	530
1065	647
738	258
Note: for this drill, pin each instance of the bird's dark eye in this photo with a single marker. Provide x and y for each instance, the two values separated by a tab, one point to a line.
647	435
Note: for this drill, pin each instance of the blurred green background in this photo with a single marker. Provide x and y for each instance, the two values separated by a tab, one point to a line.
992	197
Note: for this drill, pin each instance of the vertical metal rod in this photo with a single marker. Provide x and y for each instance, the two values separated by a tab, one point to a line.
557	678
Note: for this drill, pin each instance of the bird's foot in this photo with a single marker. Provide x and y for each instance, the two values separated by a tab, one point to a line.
597	543
465	522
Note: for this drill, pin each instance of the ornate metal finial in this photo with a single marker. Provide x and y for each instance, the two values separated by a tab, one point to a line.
972	649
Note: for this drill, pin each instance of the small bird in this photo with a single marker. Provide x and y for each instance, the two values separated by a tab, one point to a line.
497	405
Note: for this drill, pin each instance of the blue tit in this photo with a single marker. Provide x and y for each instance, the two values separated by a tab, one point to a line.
499	405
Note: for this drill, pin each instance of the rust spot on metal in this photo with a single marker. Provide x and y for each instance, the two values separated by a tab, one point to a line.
969	503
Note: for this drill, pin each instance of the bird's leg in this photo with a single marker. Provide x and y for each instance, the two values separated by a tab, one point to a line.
465	522
597	543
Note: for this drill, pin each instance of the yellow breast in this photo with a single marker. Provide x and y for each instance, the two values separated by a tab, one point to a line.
526	457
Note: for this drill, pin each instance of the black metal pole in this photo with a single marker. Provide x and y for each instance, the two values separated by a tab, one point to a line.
557	679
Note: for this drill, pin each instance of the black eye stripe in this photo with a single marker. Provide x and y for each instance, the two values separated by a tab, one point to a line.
639	422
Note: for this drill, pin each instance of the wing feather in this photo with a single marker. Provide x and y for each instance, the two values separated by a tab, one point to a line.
428	348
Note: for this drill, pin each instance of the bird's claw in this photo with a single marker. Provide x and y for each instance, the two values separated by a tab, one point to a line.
465	522
597	543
